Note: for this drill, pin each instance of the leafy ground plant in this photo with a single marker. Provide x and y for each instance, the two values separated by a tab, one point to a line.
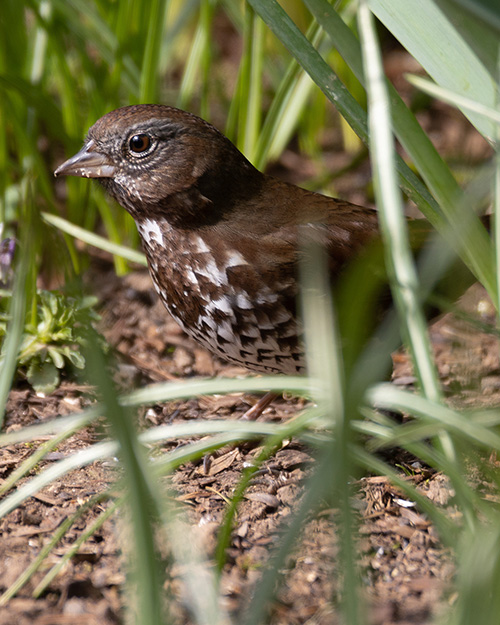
52	338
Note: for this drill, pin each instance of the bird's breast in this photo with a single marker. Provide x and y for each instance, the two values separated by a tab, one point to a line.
222	301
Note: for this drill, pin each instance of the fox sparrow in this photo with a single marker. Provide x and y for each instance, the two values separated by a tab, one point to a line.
222	239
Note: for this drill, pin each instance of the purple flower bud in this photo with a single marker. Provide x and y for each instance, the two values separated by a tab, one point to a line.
7	248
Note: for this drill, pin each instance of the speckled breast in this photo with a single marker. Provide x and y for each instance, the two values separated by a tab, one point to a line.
222	302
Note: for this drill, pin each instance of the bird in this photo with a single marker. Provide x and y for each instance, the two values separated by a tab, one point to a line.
223	240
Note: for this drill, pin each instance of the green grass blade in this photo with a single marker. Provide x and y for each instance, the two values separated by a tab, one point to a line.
312	62
23	296
394	228
453	98
89	532
14	334
148	90
33	567
94	239
455	50
59	533
317	488
146	579
199	61
496	211
452	213
288	103
251	114
288	33
391	398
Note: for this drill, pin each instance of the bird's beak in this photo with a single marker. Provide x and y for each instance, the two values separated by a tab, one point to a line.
87	164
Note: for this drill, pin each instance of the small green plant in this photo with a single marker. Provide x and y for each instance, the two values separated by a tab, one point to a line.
51	341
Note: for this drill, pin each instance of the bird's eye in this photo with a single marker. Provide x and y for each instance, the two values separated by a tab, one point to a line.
139	143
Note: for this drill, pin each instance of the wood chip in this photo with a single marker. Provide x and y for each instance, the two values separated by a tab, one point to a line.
269	500
223	462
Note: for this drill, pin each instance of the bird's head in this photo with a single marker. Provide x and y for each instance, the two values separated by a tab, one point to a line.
146	155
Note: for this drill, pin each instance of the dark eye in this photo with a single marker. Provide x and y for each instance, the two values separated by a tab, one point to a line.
139	143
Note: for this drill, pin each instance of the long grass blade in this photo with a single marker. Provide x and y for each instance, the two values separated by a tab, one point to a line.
94	239
394	230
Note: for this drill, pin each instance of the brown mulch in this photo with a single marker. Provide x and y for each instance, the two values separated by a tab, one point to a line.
406	573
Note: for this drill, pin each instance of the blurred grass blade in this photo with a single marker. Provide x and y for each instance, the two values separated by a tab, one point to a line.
288	103
33	460
469	63
93	28
401	270
318	486
146	579
55	471
89	532
94	239
288	33
10	346
33	567
226	432
446	527
454	218
149	85
325	364
471	502
197	572
472	241
496	210
163	392
199	61
486	10
50	428
23	297
157	393
46	550
389	397
244	120
249	473
394	229
453	98
323	352
112	226
478	599
250	115
312	62
68	425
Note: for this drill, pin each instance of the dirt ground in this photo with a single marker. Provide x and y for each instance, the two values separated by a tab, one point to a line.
406	574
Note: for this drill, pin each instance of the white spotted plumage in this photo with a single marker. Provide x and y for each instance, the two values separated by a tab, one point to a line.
149	230
239	326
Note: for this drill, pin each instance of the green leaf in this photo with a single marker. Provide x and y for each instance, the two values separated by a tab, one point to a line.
76	359
56	356
44	377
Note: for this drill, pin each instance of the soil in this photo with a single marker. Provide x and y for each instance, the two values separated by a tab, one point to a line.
407	575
